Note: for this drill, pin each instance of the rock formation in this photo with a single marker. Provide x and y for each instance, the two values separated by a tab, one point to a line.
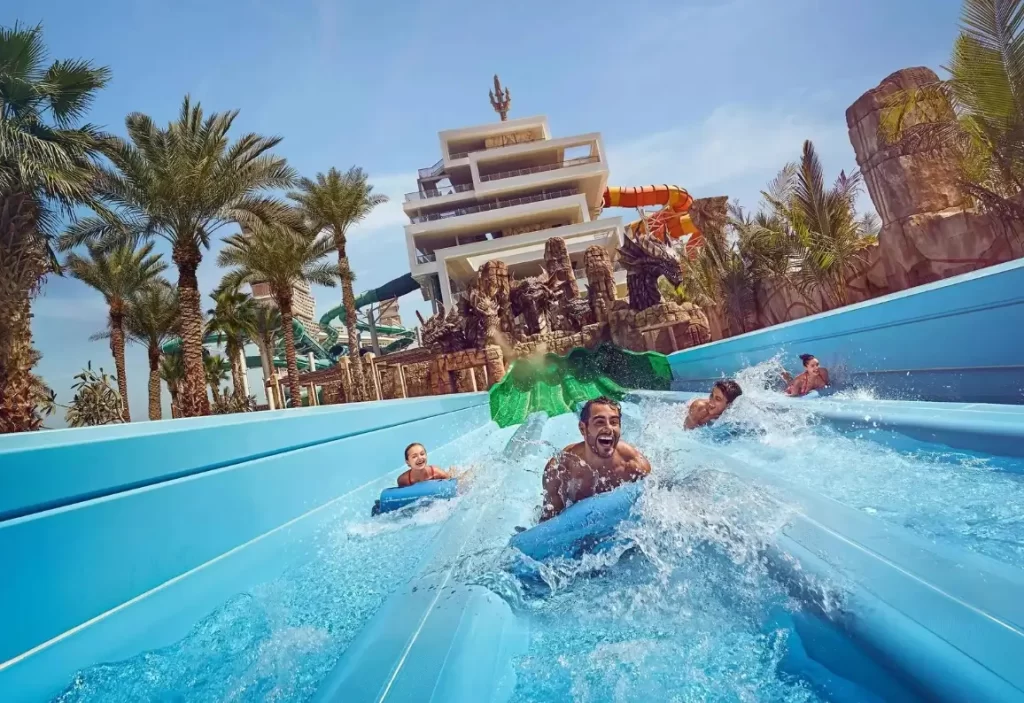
927	234
495	284
600	281
562	279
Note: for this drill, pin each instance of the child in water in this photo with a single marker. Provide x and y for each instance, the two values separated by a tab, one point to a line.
814	377
419	470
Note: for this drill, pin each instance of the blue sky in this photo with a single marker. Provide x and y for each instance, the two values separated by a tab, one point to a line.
714	95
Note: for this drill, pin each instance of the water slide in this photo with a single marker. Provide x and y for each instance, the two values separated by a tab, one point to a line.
326	356
671	222
845	548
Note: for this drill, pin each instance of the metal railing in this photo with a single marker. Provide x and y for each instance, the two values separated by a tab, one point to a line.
497	204
568	163
439	192
425	258
430	171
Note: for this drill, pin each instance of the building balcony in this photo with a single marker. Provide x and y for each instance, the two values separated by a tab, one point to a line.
568	163
494	205
439	192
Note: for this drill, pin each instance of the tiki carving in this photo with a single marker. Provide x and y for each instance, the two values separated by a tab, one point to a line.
532	299
600	281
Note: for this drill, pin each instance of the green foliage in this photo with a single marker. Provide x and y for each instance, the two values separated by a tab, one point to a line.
152	314
280	255
234	404
118	274
807	234
96	400
44	150
182	182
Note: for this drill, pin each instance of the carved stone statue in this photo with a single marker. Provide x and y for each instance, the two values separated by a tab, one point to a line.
443	333
495	284
646	259
532	299
480	316
562	279
600	281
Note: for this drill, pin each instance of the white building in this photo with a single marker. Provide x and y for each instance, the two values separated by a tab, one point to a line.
500	191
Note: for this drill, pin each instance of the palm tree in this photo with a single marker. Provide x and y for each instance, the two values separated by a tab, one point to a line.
152	319
216	369
172	371
46	159
234	316
334	202
267	332
119	275
282	256
827	224
183	182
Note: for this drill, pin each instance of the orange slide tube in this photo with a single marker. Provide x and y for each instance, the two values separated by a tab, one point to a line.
672	221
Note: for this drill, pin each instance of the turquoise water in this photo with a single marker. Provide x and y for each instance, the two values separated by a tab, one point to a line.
687	613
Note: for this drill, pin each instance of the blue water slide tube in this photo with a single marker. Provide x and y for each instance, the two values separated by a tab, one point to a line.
960	339
397	498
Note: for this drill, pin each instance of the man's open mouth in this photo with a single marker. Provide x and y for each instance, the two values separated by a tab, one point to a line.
606	441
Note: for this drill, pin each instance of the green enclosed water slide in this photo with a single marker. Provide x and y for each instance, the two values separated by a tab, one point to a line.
327	355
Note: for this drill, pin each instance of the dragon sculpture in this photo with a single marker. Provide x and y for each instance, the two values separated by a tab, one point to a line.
646	260
443	333
533	299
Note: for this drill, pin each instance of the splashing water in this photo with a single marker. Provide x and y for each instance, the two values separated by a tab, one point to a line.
680	610
971	500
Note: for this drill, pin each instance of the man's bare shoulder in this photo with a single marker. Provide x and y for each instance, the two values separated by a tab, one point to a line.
573	450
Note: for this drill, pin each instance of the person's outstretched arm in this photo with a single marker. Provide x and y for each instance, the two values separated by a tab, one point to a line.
438	474
824	375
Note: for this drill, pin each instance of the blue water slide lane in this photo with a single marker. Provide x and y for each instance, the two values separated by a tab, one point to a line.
960	339
437	640
49	469
98	579
981	427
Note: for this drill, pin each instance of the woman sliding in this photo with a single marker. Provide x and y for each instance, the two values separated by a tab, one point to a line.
814	377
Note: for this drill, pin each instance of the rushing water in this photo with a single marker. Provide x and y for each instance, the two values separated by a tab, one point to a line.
967	499
278	640
682	611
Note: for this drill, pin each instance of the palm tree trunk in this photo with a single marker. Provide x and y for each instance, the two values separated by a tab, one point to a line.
215	391
17	406
193	400
349	299
173	390
22	267
284	304
232	350
155	412
117	349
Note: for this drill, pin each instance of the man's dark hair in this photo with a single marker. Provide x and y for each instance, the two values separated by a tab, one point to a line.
603	400
730	389
806	358
409	448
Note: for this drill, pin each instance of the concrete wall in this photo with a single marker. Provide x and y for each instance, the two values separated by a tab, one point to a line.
117	539
957	339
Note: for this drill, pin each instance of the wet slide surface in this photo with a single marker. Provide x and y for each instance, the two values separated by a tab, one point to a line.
695	609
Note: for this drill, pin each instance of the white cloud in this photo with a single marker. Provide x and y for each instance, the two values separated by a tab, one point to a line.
390	214
732	143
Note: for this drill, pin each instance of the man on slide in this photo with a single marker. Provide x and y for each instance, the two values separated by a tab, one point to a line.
598	464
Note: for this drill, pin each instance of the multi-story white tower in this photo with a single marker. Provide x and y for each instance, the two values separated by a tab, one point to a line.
500	191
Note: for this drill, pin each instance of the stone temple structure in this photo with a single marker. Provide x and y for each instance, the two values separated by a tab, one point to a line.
928	232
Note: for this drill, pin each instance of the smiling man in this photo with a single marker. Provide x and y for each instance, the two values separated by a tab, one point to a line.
598	464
